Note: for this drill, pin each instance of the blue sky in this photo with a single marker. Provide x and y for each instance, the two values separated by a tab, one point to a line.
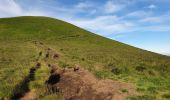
141	23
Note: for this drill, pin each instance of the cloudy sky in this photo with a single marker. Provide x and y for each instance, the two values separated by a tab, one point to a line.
141	23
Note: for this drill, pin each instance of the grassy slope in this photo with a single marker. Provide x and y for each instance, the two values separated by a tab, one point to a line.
149	72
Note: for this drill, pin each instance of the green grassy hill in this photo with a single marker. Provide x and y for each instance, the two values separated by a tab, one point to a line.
107	59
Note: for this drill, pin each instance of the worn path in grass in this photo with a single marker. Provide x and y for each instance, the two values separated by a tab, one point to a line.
23	88
73	83
28	94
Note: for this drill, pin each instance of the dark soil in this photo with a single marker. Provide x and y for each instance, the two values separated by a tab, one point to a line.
79	84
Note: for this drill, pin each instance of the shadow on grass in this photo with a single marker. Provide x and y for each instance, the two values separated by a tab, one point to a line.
22	88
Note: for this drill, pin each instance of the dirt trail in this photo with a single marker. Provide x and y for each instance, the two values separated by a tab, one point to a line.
22	91
31	95
82	85
23	88
28	94
73	83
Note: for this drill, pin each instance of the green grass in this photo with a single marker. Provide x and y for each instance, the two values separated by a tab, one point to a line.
105	58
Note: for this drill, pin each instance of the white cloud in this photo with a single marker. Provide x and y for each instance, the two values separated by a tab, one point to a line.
138	14
87	8
35	13
156	28
9	8
151	19
107	25
111	7
156	19
152	6
84	5
117	36
103	25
